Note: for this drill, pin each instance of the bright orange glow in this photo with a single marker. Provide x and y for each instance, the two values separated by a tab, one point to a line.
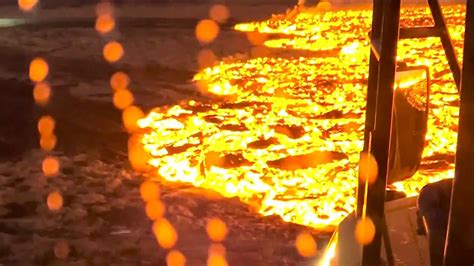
257	38
165	233
39	70
286	133
137	155
206	58
48	142
368	168
119	81
154	209
365	231
46	125
207	30
130	116
219	13
123	99
27	5
149	191
42	93
306	245
216	229
216	260
113	51
50	166
105	23
55	201
61	249
175	258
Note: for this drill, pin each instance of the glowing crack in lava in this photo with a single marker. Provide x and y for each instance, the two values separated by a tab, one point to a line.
285	134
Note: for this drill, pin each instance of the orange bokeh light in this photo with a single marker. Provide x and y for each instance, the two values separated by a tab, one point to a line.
61	249
306	245
368	168
123	99
216	260
149	191
216	229
48	142
39	70
365	231
104	23
137	155
119	81
27	5
165	233
113	51
175	258
50	166
206	58
256	38
55	201
46	125
130	116
42	93
219	13
155	209
207	30
104	7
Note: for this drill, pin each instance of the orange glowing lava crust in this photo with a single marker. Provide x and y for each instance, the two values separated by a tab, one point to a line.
286	133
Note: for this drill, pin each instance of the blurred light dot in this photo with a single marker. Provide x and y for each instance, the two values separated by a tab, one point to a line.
39	69
306	245
324	6
216	260
104	23
137	156
55	201
365	231
206	58
119	81
219	13
27	5
256	38
175	258
46	125
42	93
130	116
368	168
113	51
50	166
122	99
61	249
104	7
165	233
149	191
216	229
48	142
217	248
207	30
155	209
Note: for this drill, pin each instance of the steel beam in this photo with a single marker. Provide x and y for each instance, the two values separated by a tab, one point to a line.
382	126
460	235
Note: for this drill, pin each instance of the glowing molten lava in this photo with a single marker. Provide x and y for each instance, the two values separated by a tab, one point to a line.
285	133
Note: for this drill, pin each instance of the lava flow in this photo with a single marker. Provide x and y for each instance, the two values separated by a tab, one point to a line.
284	132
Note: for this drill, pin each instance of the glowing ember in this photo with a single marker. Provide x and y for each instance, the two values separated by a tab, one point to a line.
286	134
306	245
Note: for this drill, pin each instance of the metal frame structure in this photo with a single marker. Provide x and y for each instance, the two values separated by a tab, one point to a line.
384	36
